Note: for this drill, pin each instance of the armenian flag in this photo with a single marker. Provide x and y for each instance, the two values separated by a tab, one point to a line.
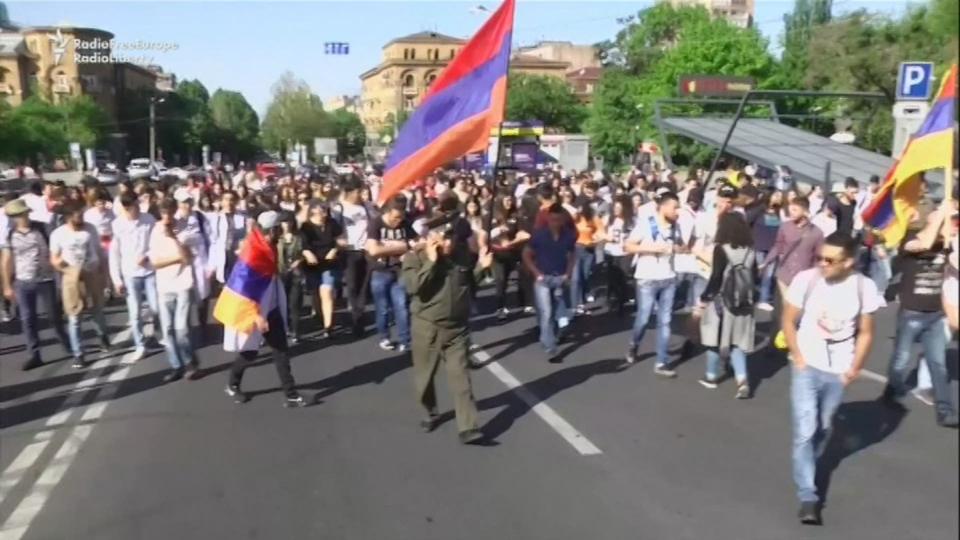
457	113
247	292
931	147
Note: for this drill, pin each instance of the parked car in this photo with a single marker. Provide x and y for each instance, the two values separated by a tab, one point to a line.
141	168
110	175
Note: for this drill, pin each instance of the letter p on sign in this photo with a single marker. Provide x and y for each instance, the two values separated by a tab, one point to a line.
915	81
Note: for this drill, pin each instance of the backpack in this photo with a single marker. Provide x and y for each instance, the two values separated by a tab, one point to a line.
737	290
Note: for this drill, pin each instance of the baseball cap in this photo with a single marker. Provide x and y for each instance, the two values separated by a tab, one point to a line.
727	191
268	220
182	195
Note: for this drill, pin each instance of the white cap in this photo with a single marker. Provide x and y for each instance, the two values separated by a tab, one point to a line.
750	170
182	195
268	220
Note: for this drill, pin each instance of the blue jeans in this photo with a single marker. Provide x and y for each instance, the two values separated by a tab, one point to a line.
388	292
815	396
928	329
881	272
658	293
28	293
738	359
138	290
580	281
549	294
695	285
766	279
175	327
73	329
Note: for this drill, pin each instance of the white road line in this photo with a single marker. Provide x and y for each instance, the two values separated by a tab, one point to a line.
563	428
27	458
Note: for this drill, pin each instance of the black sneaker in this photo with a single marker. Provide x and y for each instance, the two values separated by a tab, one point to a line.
502	314
172	376
889	398
233	390
665	371
470	436
947	420
631	357
294	401
708	382
32	363
79	362
193	372
809	513
105	344
429	424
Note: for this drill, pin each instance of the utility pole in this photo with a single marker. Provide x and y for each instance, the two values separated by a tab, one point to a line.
153	128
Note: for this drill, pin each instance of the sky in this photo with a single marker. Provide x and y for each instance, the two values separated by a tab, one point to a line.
246	45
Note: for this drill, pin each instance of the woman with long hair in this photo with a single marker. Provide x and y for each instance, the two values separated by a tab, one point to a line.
506	242
590	230
290	267
726	328
474	216
619	224
322	238
569	201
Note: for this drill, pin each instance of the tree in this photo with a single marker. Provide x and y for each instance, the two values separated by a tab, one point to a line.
861	51
350	133
295	115
661	45
38	130
798	28
394	124
548	99
190	108
237	125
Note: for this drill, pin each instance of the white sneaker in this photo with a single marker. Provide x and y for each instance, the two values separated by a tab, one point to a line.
138	354
924	395
387	345
529	310
591	299
764	306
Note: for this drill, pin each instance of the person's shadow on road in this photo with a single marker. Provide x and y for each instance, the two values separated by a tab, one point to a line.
856	426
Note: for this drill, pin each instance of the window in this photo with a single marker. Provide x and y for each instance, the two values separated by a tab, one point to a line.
3	75
413	54
453	52
408	81
430	78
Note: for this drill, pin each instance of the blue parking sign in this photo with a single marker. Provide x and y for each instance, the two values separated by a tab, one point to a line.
915	81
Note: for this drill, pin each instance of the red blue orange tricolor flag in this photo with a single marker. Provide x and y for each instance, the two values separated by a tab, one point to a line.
246	291
457	113
931	147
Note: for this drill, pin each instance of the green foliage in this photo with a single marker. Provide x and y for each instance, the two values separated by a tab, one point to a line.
548	99
661	45
798	27
393	124
350	133
191	107
295	115
39	130
236	123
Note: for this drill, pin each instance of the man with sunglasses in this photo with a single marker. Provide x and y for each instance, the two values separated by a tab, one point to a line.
828	325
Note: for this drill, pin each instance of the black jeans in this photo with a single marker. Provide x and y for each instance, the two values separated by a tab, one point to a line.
355	278
293	286
277	339
618	276
27	294
504	264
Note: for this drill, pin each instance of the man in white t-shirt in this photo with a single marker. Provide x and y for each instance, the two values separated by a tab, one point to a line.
656	241
354	217
828	325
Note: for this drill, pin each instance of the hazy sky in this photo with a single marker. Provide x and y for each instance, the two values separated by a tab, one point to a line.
246	46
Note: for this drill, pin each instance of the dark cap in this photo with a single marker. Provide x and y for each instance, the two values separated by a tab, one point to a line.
726	191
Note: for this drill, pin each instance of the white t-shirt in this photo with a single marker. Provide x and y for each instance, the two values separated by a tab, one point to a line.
38	207
175	277
828	325
101	221
950	291
654	267
77	248
617	232
827	224
704	231
355	219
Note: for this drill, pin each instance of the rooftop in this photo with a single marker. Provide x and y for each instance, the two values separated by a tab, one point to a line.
426	37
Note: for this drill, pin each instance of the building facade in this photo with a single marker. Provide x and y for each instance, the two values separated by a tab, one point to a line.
47	61
584	82
577	56
411	63
738	12
350	104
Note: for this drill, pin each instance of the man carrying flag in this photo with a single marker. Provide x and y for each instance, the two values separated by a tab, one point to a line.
253	310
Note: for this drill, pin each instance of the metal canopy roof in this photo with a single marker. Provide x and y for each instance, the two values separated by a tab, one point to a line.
769	143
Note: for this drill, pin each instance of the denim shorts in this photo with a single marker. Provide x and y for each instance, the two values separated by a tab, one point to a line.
325	278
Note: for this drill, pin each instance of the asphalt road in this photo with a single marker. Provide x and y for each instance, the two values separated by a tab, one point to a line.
583	449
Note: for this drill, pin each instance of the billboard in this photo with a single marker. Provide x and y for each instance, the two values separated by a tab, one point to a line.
525	155
715	85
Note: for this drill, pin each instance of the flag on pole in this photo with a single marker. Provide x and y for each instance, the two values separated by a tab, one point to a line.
931	147
458	111
247	292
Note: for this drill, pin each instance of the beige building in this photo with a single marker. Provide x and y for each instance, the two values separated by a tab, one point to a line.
578	56
584	82
348	103
411	63
47	61
738	12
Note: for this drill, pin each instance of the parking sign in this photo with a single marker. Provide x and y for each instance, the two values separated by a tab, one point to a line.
915	81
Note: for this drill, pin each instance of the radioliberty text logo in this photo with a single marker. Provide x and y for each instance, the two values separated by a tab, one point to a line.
59	44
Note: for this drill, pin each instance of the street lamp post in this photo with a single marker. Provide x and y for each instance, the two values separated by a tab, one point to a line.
153	128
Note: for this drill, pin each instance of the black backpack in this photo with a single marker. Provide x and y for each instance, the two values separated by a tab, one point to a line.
737	291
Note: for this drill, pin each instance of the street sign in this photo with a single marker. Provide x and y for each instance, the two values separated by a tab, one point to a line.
332	47
915	81
715	85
